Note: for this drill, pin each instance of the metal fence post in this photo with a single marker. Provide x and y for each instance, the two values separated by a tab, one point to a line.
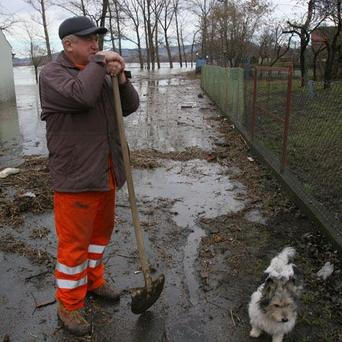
252	130
283	163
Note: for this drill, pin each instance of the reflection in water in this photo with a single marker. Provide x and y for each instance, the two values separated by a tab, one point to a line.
22	131
10	138
161	123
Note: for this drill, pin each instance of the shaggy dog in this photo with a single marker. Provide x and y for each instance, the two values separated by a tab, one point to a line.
273	306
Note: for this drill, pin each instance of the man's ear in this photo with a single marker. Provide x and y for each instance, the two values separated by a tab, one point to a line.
67	45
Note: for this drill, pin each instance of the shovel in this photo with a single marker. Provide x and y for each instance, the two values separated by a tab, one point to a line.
143	297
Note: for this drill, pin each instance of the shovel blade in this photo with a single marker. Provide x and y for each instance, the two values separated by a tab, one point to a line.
143	298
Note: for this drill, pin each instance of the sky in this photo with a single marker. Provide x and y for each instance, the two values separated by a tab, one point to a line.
19	41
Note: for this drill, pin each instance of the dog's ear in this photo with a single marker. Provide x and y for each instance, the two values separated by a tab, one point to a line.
267	292
295	283
297	274
264	277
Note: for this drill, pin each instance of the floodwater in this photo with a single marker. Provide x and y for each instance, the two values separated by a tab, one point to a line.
23	133
171	200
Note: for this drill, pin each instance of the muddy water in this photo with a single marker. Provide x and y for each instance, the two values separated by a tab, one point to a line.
21	130
198	190
171	199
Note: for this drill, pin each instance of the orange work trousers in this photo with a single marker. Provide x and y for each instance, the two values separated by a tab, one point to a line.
84	224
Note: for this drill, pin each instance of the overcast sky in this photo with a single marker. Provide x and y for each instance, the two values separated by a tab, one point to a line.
18	38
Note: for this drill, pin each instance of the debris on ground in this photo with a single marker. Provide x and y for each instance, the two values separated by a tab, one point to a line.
10	244
326	271
151	158
28	194
9	171
31	191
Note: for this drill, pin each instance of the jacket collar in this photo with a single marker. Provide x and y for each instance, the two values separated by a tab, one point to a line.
64	60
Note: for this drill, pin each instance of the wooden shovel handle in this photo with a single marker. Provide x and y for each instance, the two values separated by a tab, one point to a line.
130	186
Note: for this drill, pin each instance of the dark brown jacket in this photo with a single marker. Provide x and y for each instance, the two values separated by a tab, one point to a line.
81	127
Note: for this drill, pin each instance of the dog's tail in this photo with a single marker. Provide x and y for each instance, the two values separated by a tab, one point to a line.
287	255
280	265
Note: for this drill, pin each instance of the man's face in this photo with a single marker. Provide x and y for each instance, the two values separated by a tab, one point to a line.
81	48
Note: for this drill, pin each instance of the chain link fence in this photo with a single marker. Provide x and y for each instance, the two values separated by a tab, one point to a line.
297	130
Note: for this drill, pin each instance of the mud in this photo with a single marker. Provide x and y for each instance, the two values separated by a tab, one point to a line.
212	220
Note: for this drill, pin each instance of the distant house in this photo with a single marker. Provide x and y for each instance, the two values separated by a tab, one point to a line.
322	35
7	92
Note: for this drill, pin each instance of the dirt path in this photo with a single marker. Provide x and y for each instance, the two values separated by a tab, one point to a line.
213	218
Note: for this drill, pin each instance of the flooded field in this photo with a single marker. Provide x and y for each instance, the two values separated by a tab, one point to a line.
212	220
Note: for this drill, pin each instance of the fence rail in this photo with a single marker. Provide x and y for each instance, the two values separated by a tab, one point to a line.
297	130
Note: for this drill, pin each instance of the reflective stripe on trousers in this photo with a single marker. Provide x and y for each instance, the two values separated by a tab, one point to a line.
71	284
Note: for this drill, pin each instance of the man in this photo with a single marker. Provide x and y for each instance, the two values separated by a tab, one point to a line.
85	161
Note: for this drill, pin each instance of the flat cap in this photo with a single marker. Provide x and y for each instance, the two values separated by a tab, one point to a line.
79	26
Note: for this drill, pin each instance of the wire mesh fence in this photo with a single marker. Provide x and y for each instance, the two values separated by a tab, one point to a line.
298	130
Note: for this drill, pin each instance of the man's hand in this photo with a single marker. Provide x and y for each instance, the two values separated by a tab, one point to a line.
115	64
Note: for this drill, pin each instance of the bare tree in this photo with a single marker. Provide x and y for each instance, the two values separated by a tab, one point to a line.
157	7
76	7
40	6
96	10
281	45
273	43
7	20
312	19
149	30
102	20
145	10
132	11
316	51
176	8
202	8
111	30
181	31
165	21
36	51
150	10
245	18
193	46
156	44
333	43
225	30
117	7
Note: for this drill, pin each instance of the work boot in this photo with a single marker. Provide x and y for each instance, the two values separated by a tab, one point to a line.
108	292
73	321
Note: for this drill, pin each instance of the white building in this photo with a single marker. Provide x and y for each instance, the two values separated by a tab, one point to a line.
7	92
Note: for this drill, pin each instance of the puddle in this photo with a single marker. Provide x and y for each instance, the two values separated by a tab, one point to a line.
200	191
190	255
162	124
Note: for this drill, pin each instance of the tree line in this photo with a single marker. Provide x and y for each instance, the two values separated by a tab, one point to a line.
235	32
